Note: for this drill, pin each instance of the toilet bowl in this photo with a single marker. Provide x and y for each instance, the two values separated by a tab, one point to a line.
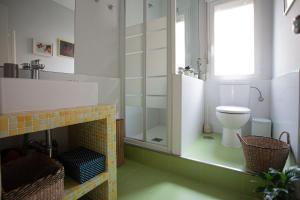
232	119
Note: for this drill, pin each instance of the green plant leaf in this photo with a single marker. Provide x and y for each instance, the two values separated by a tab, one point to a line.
268	176
279	185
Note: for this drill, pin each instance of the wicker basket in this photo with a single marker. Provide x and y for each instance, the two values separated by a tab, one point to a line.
34	177
262	153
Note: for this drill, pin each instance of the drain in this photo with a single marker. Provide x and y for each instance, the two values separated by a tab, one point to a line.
157	139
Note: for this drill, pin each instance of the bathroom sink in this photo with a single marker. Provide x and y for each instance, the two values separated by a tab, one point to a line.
19	95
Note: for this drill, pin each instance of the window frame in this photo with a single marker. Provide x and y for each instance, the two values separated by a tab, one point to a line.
210	28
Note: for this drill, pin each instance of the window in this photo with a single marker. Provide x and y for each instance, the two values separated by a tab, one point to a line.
233	35
180	42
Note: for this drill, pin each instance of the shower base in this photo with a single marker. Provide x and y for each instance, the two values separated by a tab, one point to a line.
155	135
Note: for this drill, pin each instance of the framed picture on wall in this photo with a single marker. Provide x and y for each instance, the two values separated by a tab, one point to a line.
65	48
287	5
42	48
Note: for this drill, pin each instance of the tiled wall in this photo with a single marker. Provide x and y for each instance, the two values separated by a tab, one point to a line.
285	108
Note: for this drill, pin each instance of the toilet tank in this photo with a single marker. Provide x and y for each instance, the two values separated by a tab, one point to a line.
234	95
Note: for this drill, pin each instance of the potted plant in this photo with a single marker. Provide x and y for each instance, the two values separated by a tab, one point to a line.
279	185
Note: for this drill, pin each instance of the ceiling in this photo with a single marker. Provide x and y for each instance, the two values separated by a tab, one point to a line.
67	3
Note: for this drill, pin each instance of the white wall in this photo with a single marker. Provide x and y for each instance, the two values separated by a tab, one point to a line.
97	38
97	47
188	115
43	20
285	108
286	44
3	34
263	35
285	83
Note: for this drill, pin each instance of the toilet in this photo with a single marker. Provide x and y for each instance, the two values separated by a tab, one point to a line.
233	113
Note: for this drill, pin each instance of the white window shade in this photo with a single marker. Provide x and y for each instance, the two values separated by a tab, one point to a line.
233	52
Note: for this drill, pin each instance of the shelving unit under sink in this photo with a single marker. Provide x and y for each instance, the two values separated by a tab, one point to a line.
92	127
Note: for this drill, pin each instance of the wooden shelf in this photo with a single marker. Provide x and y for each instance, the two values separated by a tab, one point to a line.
74	190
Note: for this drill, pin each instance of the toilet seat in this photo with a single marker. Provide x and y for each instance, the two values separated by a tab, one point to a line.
233	110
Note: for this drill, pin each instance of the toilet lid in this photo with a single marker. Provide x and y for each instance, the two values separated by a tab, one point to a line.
233	109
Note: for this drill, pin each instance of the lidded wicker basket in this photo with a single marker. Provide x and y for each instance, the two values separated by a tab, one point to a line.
262	153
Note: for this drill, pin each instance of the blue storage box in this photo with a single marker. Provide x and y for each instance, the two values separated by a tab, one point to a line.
82	164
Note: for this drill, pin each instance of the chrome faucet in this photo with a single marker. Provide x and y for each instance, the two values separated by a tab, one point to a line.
35	67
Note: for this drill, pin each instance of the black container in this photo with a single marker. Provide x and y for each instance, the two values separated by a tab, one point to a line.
82	164
11	70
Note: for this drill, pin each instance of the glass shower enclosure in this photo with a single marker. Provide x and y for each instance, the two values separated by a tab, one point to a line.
146	73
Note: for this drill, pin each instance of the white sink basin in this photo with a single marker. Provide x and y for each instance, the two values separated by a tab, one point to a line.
19	95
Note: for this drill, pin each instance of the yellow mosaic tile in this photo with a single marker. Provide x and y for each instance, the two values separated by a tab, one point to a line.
73	190
92	127
21	123
99	136
12	132
4	124
28	118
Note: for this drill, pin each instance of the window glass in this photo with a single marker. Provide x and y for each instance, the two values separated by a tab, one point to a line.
234	38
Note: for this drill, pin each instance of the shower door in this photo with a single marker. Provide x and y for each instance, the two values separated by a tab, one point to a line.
146	73
134	70
156	72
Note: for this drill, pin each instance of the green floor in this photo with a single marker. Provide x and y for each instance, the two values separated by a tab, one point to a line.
140	182
209	149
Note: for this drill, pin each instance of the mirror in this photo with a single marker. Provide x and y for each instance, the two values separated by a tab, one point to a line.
38	29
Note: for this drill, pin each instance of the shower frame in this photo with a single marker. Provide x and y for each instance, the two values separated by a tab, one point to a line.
171	19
